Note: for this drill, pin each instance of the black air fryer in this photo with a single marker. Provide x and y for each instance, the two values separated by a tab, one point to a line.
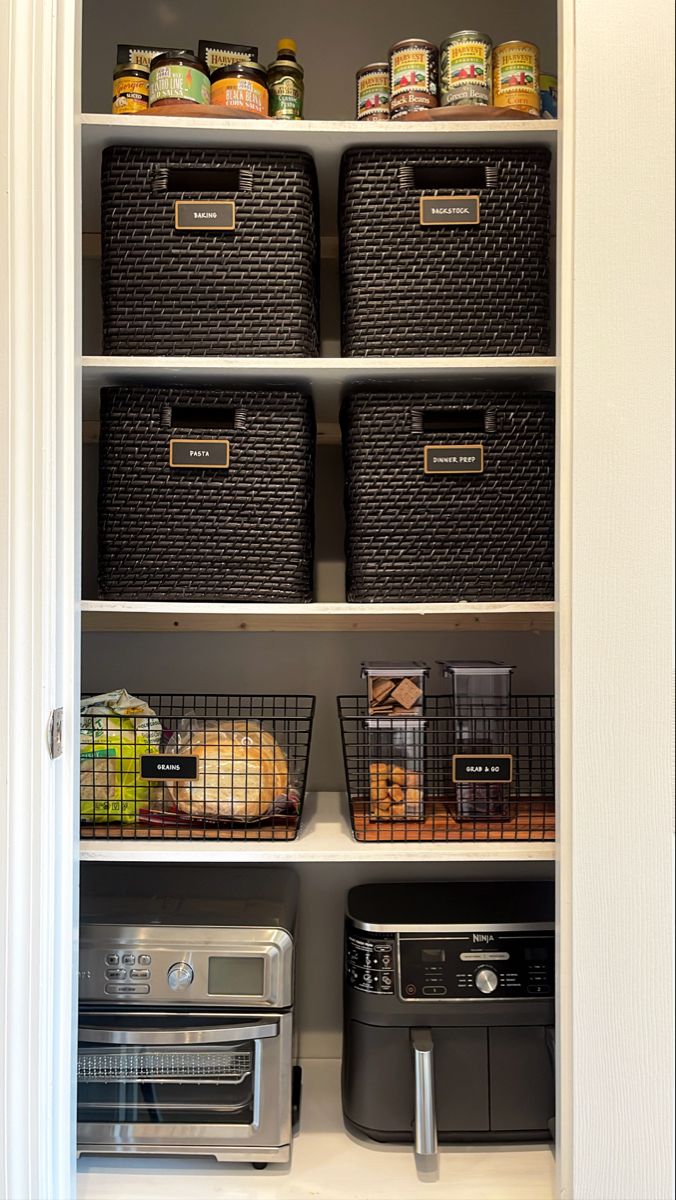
449	1012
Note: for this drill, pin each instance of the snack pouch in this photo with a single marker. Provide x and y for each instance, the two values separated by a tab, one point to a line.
115	730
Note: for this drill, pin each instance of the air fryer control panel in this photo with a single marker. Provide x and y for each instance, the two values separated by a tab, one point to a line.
515	964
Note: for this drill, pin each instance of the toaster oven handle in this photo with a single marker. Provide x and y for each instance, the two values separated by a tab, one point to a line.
425	1122
179	1037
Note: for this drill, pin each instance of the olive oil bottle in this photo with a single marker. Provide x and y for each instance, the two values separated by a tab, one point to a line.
285	83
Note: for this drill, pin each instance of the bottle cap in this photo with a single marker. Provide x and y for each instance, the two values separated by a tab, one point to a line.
286	44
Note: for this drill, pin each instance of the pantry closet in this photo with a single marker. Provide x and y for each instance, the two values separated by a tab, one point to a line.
599	646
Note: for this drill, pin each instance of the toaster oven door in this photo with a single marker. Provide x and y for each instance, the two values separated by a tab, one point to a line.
189	1083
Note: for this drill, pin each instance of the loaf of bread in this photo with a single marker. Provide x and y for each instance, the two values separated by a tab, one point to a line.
242	771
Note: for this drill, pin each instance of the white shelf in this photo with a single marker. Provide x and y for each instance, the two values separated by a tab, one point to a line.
123	616
325	836
325	140
325	377
329	1164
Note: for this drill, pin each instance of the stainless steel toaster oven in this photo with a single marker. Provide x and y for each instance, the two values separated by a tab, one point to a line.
185	1041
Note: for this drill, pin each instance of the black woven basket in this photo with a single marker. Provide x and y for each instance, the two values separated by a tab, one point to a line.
473	521
248	290
241	532
413	288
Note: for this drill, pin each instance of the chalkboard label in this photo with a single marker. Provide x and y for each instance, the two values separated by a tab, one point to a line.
454	460
168	766
205	214
199	452
449	210
482	768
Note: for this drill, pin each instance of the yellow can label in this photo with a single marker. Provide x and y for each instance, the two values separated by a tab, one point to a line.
241	93
516	78
130	94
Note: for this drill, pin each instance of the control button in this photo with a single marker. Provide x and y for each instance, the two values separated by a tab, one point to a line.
410	989
537	991
144	960
386	980
486	981
180	976
125	989
116	973
383	946
386	960
128	959
113	960
139	974
434	991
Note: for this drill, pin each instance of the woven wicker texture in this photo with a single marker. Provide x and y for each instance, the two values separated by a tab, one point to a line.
241	534
449	537
409	288
252	290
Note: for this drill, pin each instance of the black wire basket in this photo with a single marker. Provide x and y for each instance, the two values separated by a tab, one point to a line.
201	767
469	774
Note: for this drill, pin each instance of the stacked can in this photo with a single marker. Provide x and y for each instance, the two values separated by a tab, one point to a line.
465	69
414	77
516	76
373	92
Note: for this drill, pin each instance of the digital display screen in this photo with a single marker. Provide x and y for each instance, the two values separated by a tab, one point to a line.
236	976
536	953
431	954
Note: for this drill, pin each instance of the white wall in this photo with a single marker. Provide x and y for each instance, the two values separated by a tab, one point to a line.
617	848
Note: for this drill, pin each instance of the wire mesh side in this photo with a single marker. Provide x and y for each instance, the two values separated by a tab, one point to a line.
203	766
159	1066
412	780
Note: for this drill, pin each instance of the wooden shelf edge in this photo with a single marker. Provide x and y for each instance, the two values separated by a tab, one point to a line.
128	617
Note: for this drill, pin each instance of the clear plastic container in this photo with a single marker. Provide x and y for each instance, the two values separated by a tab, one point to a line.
396	753
395	689
481	692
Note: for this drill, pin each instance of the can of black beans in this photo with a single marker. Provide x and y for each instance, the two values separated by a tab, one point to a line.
414	77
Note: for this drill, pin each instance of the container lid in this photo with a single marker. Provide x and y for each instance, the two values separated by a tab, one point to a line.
287	44
186	56
480	667
130	69
382	66
394	670
473	33
244	64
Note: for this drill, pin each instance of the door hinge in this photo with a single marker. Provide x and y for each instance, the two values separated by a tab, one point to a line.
56	733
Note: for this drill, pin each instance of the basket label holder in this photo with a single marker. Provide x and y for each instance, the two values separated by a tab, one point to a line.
213	453
209	215
450	210
454	460
166	767
482	768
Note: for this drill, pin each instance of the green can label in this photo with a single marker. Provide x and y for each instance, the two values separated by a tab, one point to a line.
286	101
174	82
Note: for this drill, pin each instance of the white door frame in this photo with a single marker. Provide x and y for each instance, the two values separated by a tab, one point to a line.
39	582
615	867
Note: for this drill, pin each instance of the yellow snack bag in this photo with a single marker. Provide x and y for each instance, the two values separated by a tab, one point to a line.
116	729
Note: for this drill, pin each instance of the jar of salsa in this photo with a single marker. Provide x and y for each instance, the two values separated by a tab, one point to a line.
241	85
178	77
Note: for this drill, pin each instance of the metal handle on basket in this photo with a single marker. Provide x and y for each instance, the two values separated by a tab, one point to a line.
196	416
452	419
179	1037
202	179
425	1121
432	178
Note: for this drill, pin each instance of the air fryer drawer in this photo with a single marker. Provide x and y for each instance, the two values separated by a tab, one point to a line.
521	1073
378	1080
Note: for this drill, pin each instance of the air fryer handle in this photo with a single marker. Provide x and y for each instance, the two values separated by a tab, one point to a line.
425	1121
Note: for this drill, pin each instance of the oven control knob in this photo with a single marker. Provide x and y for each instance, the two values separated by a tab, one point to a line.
486	980
180	976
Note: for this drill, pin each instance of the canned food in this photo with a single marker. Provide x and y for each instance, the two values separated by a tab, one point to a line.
549	95
130	88
241	85
179	78
373	92
414	76
516	76
465	69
